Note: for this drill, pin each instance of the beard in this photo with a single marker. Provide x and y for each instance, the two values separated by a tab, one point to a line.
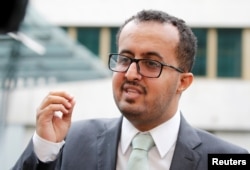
146	110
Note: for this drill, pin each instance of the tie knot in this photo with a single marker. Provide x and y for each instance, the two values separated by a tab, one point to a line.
143	142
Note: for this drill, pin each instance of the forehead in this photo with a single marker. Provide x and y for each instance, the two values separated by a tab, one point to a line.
144	37
149	32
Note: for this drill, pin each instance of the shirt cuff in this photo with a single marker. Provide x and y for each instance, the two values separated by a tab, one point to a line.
46	151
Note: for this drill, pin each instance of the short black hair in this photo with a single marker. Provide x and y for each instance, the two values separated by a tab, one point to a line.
187	47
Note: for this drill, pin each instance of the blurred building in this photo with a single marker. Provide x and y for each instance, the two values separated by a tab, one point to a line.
222	28
218	101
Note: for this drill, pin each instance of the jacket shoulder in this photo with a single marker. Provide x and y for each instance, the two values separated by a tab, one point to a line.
213	144
93	126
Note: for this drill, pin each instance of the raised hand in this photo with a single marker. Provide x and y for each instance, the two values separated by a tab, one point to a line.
49	125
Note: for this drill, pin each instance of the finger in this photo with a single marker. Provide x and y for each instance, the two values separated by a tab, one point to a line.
62	94
57	98
48	112
67	117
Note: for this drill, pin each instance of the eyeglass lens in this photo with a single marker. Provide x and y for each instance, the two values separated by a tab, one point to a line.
145	67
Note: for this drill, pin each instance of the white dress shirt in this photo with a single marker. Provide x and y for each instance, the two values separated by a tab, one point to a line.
160	156
164	135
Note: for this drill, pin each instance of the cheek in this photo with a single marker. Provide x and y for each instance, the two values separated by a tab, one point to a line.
157	91
165	86
154	89
117	81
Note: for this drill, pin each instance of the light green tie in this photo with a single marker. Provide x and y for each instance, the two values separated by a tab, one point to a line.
138	159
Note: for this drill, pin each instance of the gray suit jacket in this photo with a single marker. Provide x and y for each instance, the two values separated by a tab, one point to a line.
92	145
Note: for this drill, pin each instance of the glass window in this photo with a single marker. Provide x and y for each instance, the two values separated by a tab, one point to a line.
89	37
229	53
200	62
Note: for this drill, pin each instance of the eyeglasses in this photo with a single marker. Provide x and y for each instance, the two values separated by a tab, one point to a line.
145	67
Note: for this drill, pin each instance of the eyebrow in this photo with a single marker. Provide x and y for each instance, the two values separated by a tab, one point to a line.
126	51
153	53
145	55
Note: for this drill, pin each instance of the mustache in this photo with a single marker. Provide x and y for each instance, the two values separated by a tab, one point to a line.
134	83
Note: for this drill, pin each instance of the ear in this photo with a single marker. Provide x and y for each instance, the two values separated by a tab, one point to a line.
186	80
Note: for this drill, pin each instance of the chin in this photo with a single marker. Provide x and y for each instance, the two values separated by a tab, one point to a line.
131	111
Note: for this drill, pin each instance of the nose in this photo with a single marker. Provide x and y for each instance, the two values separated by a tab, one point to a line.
133	72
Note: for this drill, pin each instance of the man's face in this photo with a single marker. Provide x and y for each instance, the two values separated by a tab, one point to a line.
148	102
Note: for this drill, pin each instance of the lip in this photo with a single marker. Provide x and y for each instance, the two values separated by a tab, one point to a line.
132	89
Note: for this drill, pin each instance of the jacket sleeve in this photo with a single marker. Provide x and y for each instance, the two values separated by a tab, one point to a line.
29	161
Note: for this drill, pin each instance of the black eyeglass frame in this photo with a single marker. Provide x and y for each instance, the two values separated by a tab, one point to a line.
138	67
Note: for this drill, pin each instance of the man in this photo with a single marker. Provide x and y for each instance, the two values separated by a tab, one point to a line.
151	70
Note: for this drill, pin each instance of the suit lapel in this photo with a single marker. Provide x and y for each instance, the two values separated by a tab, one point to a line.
185	156
107	144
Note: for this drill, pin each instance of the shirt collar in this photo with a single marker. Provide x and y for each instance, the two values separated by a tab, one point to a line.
164	135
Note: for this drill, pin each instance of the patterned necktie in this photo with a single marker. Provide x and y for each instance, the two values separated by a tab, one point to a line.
138	159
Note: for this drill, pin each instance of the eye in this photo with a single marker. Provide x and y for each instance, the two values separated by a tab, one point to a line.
123	60
151	64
